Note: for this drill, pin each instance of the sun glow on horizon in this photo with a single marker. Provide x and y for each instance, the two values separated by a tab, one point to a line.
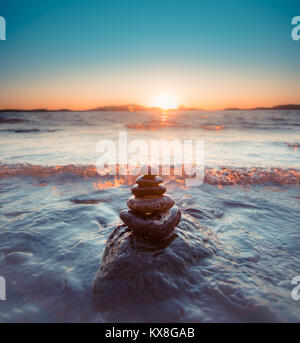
165	102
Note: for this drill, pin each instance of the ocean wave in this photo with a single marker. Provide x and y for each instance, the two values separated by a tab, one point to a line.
153	125
294	146
213	127
11	120
225	176
156	124
26	130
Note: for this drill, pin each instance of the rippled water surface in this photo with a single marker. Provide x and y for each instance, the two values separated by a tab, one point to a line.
56	212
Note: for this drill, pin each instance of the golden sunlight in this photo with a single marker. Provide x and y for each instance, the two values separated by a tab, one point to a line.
165	102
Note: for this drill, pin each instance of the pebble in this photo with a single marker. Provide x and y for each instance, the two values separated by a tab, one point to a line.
147	181
156	226
148	191
151	204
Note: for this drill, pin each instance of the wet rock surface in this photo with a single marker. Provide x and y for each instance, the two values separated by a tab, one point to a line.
136	271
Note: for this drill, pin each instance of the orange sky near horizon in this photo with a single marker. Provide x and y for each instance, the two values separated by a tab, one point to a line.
210	86
201	89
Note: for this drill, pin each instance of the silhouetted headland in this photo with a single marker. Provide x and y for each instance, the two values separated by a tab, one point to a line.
278	107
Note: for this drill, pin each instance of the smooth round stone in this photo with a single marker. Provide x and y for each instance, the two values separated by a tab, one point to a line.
155	226
148	180
150	205
148	191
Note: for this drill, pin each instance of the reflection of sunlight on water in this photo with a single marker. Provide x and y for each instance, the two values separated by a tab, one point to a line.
213	127
172	119
160	120
164	116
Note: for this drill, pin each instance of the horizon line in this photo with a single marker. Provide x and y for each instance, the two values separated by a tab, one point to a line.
136	108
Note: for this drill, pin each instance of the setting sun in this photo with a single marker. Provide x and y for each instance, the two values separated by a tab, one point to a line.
165	102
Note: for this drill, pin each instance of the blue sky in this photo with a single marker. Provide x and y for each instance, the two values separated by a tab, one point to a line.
83	53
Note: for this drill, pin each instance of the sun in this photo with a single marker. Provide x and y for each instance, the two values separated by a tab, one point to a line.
165	102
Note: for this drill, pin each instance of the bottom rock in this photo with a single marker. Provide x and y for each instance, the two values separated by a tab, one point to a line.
155	226
137	275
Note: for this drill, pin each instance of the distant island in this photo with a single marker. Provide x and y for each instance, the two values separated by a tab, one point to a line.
278	107
111	108
36	110
136	108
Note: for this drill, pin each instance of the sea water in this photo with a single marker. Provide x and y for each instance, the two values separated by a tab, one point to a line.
57	212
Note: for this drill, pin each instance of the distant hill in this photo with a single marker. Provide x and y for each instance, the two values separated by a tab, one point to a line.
130	107
278	107
286	107
35	110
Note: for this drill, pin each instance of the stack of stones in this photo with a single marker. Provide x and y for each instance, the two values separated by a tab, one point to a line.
152	214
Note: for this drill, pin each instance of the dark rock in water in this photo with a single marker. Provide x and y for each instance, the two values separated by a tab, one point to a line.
149	277
157	226
148	191
150	205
